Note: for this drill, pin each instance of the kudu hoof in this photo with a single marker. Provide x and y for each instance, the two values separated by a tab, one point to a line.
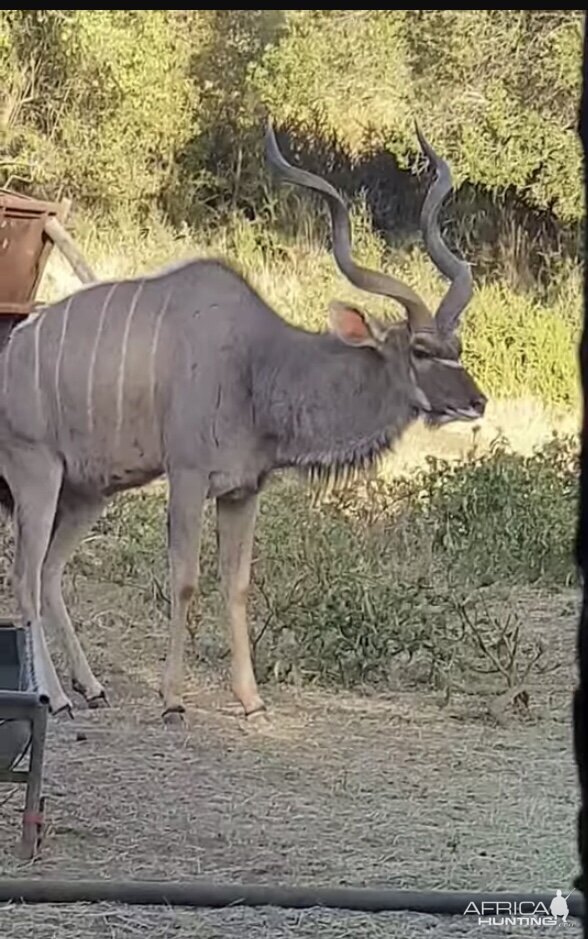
94	701
258	718
174	717
64	713
98	702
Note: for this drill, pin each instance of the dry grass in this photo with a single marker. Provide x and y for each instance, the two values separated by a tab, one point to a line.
400	790
391	790
109	922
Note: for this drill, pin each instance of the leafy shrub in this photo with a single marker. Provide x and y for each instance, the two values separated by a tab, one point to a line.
130	104
496	90
98	103
384	570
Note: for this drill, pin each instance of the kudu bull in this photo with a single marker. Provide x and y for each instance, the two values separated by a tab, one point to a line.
189	373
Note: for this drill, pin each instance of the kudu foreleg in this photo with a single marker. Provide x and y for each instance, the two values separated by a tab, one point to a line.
34	481
187	493
74	518
236	529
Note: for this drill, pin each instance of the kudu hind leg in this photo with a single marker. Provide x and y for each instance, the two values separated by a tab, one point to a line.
74	518
34	481
236	529
187	493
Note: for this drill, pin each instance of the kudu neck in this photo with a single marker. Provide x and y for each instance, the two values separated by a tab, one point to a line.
332	406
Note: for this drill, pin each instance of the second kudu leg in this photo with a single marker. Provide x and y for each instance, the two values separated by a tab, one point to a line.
74	518
236	529
187	493
34	482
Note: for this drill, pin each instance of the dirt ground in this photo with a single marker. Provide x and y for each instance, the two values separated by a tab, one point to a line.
401	791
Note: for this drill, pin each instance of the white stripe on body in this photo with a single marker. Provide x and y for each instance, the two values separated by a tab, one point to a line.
91	370
154	349
59	357
123	362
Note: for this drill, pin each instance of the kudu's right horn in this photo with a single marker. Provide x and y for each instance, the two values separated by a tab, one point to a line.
420	317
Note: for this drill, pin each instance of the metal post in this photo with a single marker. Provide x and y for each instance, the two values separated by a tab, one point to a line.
32	822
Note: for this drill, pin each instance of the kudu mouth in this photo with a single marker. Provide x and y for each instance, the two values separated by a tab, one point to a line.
451	415
457	271
474	410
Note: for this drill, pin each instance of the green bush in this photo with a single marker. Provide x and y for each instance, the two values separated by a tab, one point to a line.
505	518
131	105
97	103
386	570
497	90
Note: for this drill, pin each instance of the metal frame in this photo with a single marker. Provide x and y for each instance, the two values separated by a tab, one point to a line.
27	706
16	211
23	726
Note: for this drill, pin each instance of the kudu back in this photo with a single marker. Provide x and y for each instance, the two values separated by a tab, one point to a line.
191	374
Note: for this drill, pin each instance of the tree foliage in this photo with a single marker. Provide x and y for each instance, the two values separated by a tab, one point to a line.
125	109
96	103
496	90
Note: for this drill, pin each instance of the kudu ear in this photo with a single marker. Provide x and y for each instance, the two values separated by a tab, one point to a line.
354	327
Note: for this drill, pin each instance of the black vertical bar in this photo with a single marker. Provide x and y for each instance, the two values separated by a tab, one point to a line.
580	702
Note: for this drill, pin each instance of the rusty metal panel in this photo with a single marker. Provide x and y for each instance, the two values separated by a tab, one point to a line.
23	250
